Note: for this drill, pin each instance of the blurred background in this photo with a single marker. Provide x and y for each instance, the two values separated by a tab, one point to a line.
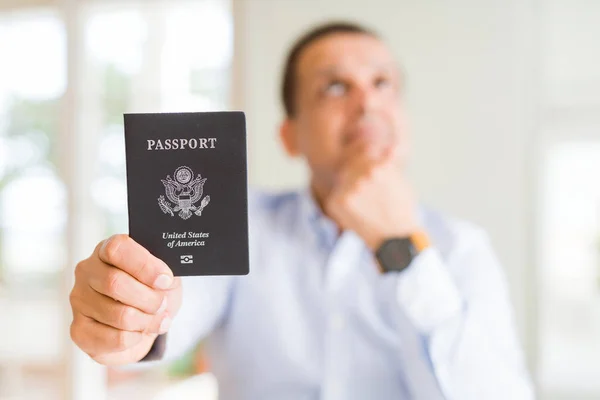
505	103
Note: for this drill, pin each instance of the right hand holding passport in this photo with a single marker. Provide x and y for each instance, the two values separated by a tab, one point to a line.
123	298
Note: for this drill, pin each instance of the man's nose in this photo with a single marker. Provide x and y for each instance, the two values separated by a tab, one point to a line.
364	99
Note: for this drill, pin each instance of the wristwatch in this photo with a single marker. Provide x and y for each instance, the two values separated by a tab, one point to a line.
396	254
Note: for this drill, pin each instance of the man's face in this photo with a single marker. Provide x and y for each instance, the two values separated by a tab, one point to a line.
348	91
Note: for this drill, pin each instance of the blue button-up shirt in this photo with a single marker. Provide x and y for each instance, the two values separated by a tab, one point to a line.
315	319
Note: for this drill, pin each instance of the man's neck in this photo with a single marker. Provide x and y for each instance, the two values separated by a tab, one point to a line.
320	192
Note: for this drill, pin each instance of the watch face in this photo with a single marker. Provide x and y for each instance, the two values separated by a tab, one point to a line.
395	254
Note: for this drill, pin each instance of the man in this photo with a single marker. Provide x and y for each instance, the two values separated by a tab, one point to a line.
355	292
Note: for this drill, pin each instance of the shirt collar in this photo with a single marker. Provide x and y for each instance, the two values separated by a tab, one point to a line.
323	226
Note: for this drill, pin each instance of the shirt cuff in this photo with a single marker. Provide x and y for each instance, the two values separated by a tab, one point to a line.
427	292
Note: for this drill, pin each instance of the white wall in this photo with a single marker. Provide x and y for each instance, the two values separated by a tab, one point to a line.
471	81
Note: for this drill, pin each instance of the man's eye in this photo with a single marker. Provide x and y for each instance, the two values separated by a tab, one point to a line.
382	83
336	88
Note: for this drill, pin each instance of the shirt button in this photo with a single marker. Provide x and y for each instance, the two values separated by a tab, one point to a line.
337	322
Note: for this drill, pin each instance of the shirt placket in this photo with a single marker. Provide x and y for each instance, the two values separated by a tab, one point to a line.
345	256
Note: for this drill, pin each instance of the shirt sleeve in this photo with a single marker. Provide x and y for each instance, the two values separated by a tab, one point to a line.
204	306
462	318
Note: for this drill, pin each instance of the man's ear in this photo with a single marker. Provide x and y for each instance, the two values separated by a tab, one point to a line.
287	134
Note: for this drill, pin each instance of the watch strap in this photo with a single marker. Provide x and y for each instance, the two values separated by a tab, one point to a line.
420	240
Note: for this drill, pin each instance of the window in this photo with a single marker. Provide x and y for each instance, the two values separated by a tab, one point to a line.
62	159
32	197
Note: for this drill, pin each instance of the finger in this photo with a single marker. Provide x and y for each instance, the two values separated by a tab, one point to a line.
107	311
95	338
124	253
120	286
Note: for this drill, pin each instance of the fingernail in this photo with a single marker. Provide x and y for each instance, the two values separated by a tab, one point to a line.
163	282
163	306
164	325
104	244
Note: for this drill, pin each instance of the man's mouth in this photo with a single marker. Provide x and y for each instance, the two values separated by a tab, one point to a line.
365	133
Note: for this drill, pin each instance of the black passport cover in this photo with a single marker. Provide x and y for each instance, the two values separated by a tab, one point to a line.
187	190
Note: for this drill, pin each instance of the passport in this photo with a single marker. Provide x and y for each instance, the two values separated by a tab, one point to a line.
187	190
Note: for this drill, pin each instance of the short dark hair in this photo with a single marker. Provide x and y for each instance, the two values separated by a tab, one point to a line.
289	84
